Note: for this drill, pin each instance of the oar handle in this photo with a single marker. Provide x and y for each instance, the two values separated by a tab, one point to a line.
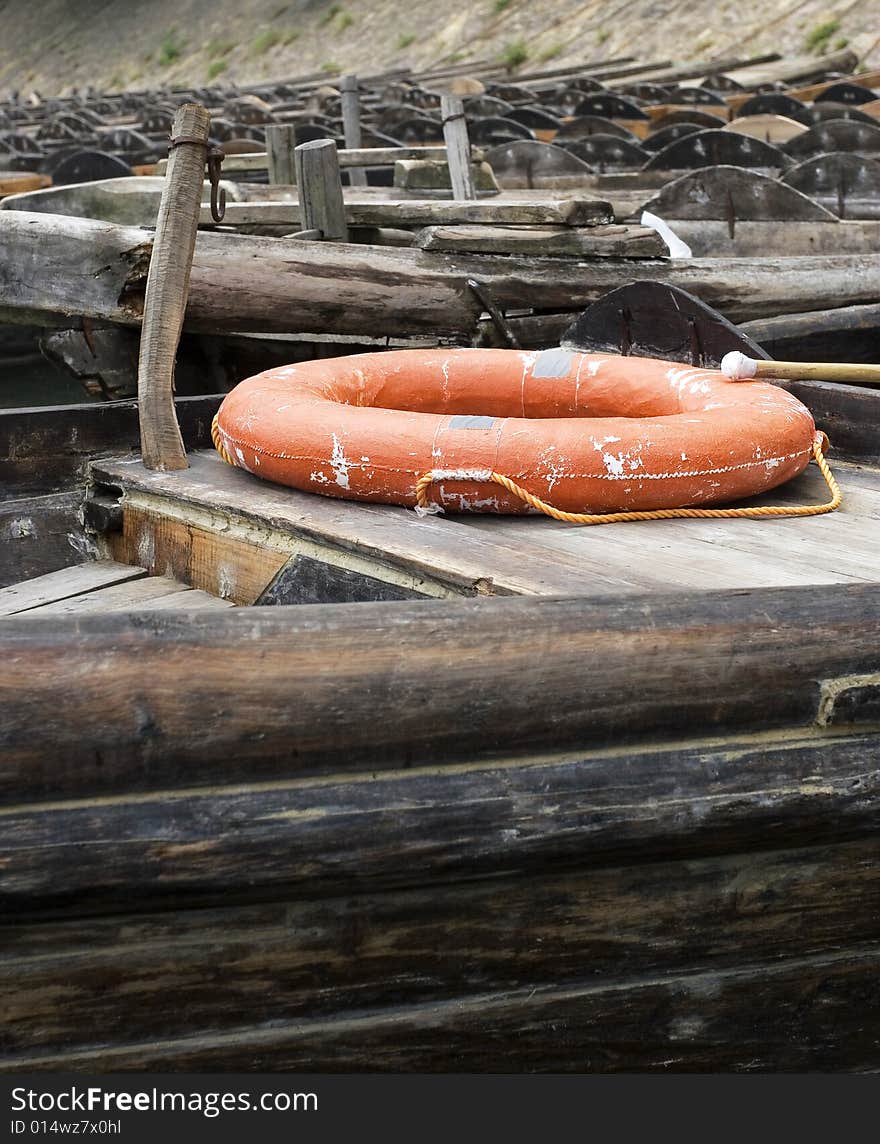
738	367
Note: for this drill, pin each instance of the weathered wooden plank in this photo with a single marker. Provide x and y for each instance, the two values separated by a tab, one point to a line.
167	287
17	182
370	949
270	285
348	157
790	71
811	1014
132	201
690	554
41	534
351	124
712	238
733	194
280	145
184	599
46	449
320	206
136	202
368	210
455	679
667	72
571	242
323	835
229	563
771	128
67	582
458	148
132	595
435	555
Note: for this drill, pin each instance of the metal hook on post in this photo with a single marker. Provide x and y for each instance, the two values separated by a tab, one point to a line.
214	156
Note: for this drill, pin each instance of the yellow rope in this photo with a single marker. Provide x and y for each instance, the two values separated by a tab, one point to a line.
218	444
424	483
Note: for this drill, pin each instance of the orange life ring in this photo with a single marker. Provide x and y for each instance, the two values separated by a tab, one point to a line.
590	432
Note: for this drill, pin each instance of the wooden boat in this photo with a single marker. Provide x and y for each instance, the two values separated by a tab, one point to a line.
509	796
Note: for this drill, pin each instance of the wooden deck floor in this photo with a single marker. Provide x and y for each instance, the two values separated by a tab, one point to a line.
100	586
228	533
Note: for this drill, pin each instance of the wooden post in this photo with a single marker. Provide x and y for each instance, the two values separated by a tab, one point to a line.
280	144
320	189
458	148
167	289
351	125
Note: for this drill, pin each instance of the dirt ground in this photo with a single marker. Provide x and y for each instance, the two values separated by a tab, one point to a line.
55	45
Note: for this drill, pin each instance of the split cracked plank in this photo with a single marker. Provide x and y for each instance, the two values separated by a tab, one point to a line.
55	266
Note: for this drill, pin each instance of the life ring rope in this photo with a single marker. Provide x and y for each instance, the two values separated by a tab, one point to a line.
218	442
820	443
424	483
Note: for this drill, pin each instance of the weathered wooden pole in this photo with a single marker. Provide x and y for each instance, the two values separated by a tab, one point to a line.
320	189
280	144
458	148
351	125
167	288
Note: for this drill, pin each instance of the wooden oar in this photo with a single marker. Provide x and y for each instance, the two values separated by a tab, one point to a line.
737	367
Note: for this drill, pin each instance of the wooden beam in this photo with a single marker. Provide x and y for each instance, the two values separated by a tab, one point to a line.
326	833
466	937
351	124
348	157
59	266
543	242
201	690
167	287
